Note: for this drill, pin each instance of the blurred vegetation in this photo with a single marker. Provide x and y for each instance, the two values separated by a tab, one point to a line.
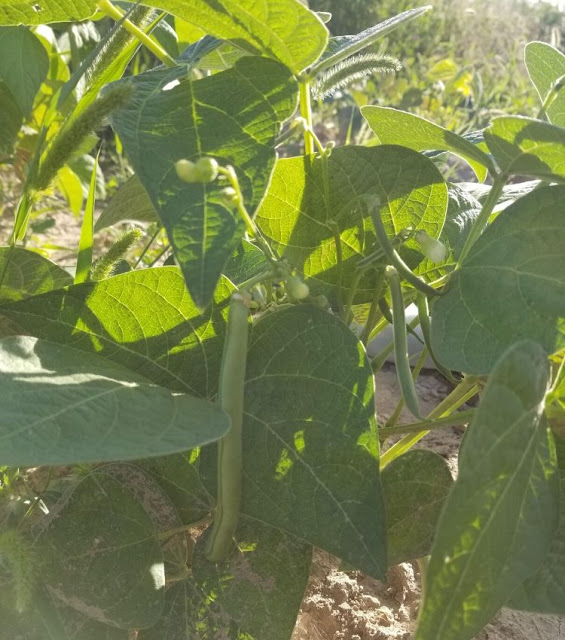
462	63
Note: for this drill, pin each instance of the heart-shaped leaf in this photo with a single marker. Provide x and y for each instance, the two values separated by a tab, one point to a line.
510	287
62	406
171	117
392	126
501	514
282	29
415	487
310	450
523	146
27	273
143	320
546	66
100	555
311	200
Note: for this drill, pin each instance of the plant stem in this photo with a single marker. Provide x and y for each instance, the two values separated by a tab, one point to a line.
453	420
117	14
463	392
306	113
147	247
482	221
553	93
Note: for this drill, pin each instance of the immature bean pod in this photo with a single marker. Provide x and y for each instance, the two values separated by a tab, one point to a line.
230	397
401	358
425	326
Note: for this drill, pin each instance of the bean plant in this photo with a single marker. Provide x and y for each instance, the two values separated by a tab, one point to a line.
176	440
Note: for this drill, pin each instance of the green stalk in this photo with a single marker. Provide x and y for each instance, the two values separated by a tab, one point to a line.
553	93
483	218
230	398
459	396
453	420
117	14
374	309
306	113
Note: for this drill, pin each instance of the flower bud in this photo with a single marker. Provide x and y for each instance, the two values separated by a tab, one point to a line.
433	249
296	288
229	194
186	170
206	169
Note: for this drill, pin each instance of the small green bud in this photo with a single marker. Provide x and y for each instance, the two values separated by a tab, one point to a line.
296	288
322	302
186	170
229	194
433	249
206	169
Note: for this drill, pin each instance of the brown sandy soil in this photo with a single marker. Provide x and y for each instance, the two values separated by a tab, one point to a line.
348	605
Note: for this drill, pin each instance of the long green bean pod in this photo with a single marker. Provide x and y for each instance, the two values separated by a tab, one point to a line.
401	358
230	397
394	258
425	326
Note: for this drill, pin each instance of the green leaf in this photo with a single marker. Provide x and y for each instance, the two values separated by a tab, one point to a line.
11	119
392	126
308	197
23	65
100	555
310	449
63	406
546	65
501	514
28	274
342	47
528	147
415	487
143	320
255	594
281	29
543	592
169	119
14	12
246	263
70	186
130	202
179	477
510	287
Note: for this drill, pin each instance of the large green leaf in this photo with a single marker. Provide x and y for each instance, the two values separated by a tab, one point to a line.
282	29
308	196
14	12
61	406
143	320
130	202
23	65
510	287
415	487
255	594
168	119
100	554
546	65
524	146
246	263
27	273
392	126
544	592
501	514
309	438
11	119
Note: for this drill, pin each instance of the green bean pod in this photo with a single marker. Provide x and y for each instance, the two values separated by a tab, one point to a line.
424	317
230	397
401	358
